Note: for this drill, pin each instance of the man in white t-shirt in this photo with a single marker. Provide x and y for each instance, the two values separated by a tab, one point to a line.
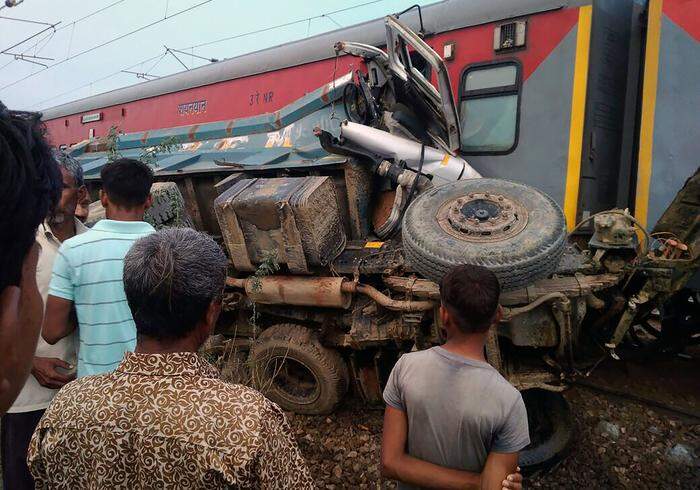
53	365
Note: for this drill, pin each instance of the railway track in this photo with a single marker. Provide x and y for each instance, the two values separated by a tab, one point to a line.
690	414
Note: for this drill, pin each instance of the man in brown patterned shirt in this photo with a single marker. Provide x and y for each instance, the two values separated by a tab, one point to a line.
163	419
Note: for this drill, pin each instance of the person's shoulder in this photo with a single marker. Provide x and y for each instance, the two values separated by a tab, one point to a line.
509	393
80	239
414	357
71	398
85	383
237	394
412	362
80	227
235	399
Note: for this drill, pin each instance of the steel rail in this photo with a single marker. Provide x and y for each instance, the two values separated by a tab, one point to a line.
637	398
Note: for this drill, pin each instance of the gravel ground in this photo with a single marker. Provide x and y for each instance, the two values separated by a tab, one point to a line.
634	455
618	443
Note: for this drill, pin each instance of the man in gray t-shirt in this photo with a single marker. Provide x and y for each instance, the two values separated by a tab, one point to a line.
452	421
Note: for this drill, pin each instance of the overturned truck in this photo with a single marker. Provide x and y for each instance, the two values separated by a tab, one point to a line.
341	212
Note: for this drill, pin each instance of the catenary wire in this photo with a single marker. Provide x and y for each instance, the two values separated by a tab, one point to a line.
70	24
110	41
99	79
279	26
208	43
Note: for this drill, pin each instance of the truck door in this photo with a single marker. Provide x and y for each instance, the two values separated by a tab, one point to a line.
409	56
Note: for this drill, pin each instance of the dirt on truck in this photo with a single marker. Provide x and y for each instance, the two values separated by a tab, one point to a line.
341	212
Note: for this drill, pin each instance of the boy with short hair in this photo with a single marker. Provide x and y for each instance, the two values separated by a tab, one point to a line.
87	273
452	421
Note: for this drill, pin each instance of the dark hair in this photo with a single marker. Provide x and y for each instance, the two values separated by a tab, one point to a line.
70	165
127	182
30	184
470	293
170	278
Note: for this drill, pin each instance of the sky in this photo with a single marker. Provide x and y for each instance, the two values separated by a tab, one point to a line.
83	68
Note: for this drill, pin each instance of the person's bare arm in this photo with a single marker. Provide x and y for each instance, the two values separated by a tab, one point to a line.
497	468
397	464
59	320
20	323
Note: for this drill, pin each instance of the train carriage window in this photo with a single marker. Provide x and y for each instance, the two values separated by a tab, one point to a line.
489	101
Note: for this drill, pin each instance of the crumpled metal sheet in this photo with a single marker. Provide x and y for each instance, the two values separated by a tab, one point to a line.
283	139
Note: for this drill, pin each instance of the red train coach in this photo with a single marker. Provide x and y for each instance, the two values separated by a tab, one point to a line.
551	114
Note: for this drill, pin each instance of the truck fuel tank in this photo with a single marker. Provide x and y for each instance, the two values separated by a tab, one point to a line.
295	218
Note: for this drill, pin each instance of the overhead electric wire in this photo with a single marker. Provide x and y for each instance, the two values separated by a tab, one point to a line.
48	36
32	56
93	48
211	60
27	58
100	79
332	20
72	23
87	16
23	56
2	17
46	41
145	76
51	26
157	62
168	50
208	43
278	26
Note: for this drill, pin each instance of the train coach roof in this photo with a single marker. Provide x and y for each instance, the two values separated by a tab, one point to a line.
439	17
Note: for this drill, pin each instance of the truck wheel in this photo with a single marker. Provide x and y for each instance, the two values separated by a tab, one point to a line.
512	229
168	208
236	369
291	367
551	429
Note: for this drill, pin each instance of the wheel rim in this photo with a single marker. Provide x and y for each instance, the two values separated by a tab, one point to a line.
292	380
482	217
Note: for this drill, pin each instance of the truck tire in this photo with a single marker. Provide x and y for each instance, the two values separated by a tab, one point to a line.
551	430
291	367
168	208
514	230
235	369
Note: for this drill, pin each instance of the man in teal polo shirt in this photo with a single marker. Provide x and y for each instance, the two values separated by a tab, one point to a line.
87	272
